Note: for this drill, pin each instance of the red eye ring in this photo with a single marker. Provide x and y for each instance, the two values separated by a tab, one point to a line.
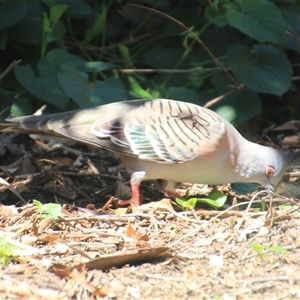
269	171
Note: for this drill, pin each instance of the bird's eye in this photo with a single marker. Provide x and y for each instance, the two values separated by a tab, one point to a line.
269	171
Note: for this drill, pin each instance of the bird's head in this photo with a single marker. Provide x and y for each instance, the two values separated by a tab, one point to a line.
275	165
265	165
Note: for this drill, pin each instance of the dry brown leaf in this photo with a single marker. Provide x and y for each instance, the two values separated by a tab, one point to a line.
8	211
42	145
65	161
101	292
191	273
61	270
136	257
131	232
78	274
170	261
119	210
144	238
35	228
85	224
49	239
65	212
44	223
162	205
25	227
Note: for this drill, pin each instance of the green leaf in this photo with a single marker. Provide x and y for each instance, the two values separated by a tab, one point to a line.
11	12
236	107
137	91
89	94
46	86
215	199
285	206
38	204
126	56
258	248
165	58
46	23
57	32
216	14
76	8
191	203
98	26
49	210
5	247
264	69
56	12
261	20
21	107
57	57
97	66
188	95
188	16
277	249
6	251
290	13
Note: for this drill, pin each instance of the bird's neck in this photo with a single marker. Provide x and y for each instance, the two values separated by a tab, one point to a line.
251	158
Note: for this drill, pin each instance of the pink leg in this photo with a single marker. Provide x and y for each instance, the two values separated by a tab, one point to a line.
135	198
136	179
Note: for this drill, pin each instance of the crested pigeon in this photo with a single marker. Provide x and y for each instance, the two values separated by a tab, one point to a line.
165	139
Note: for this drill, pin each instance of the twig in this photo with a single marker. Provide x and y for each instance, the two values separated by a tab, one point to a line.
104	218
214	101
112	47
9	68
194	36
181	71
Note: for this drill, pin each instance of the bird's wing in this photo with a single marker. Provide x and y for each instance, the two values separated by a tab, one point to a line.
164	131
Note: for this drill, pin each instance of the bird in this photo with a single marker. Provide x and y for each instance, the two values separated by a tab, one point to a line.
166	140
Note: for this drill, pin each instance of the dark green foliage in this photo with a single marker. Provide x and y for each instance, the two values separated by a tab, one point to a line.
78	53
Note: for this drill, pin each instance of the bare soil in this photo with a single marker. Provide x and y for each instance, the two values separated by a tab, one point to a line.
97	250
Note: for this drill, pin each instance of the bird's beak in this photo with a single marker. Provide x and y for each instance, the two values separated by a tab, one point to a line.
270	187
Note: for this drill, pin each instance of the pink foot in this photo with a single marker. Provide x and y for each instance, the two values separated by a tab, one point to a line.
135	190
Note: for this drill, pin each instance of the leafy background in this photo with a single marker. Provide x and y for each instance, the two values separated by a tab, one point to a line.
82	53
